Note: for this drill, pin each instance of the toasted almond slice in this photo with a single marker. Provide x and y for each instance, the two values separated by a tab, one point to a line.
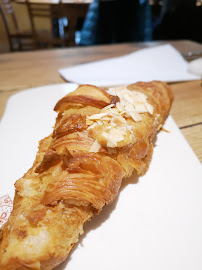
99	122
120	106
113	111
149	108
95	147
128	98
92	126
119	121
140	107
111	143
129	127
128	107
108	127
136	117
134	97
140	97
97	116
113	124
88	122
116	135
105	134
106	118
114	90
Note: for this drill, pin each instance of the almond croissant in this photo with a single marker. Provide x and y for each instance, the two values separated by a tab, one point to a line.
101	135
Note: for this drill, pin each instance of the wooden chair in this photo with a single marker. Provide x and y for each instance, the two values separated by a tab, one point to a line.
33	39
18	41
46	11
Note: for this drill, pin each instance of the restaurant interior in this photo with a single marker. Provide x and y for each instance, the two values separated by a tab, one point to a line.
43	24
115	89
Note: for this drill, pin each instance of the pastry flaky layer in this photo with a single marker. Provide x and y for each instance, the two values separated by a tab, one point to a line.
100	136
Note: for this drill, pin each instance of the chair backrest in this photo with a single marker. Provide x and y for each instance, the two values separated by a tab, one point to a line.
8	15
40	10
37	10
9	19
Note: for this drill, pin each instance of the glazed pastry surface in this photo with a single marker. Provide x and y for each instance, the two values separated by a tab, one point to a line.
100	136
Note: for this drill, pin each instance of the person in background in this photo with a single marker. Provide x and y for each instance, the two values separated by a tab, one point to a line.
116	21
179	19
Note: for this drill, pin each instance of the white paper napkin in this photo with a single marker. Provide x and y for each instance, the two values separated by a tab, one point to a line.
163	63
195	67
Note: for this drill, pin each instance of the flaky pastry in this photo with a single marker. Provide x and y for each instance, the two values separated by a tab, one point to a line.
100	136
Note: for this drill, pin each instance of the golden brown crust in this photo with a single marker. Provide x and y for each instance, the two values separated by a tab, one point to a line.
68	184
80	100
81	185
70	124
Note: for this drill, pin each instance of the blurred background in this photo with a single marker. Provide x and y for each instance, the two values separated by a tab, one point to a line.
44	24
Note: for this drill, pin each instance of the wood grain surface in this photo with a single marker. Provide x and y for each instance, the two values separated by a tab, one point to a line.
19	71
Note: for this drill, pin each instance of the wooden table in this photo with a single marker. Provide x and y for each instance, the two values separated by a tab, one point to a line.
20	71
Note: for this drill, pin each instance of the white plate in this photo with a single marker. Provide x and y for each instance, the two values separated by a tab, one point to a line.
156	221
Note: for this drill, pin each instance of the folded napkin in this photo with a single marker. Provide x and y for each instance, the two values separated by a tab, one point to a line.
195	67
163	63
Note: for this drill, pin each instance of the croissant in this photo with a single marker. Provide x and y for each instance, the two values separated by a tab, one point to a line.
100	136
